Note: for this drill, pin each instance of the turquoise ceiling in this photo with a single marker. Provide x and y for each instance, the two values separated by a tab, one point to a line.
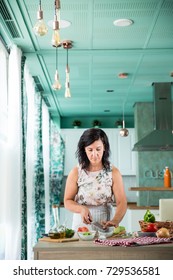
100	52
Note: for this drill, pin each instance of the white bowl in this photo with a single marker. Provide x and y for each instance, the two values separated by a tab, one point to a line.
87	235
106	234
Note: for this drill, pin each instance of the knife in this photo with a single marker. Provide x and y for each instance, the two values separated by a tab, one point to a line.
99	227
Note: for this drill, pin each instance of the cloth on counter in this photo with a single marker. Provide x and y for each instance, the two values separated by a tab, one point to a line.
133	241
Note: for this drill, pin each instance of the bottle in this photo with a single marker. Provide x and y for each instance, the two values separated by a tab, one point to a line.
167	178
55	210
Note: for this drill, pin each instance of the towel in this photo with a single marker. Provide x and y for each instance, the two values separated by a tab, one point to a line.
133	241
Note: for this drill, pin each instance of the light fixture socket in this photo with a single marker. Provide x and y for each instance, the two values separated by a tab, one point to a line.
67	44
55	24
57	4
39	14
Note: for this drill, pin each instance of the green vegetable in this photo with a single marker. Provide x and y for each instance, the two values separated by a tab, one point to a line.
69	233
86	233
118	229
149	217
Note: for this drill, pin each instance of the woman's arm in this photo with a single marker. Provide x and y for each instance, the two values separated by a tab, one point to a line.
120	198
71	190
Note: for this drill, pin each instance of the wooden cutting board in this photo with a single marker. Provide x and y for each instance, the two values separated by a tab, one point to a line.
58	240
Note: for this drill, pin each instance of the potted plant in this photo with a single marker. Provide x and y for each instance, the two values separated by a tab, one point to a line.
119	123
96	123
76	123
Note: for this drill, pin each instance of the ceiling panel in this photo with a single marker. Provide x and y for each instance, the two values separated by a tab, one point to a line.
100	52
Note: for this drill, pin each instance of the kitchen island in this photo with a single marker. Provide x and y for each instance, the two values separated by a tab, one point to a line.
88	250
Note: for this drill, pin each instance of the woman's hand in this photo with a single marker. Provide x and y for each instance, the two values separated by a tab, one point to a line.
86	215
111	223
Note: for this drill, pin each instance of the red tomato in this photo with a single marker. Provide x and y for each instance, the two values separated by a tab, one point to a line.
83	229
151	227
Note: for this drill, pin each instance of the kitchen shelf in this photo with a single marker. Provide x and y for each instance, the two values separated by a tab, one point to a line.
150	189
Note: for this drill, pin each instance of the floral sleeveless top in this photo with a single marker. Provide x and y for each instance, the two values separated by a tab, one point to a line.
94	188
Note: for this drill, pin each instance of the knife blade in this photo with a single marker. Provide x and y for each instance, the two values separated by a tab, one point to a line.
99	227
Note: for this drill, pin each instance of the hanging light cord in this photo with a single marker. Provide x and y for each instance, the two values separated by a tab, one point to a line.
67	58
56	58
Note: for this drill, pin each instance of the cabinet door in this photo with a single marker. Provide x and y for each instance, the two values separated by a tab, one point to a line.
71	138
126	158
121	151
113	141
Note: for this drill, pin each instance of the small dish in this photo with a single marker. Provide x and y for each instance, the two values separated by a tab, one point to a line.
87	236
107	233
146	233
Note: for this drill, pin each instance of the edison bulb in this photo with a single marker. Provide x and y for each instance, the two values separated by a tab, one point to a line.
67	93
56	38
40	28
56	85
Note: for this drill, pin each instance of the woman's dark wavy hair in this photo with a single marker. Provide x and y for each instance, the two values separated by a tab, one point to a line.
88	137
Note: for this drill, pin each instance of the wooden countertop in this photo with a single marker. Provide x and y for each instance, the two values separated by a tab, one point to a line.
134	206
150	189
88	250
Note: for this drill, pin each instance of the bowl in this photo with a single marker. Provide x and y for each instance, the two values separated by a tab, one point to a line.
107	233
87	236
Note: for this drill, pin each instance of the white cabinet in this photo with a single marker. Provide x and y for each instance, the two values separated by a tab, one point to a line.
121	149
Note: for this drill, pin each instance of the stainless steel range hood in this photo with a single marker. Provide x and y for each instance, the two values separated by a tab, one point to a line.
161	138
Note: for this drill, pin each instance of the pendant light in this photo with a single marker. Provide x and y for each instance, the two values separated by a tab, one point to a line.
56	85
67	45
56	37
40	28
124	131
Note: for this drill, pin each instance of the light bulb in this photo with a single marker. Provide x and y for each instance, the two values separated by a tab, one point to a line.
67	92
40	28
56	38
56	85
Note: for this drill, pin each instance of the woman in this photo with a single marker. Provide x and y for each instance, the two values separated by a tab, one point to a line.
93	185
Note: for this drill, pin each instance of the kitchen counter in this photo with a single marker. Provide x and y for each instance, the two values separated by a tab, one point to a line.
87	250
154	189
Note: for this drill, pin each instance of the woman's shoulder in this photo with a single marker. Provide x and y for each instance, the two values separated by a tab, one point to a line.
116	174
115	170
74	171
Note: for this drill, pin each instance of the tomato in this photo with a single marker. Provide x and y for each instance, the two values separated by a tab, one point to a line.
151	227
83	229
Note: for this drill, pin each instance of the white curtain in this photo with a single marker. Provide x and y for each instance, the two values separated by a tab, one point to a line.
14	164
3	143
30	157
11	161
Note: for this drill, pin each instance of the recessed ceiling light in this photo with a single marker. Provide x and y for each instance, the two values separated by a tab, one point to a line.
63	23
123	22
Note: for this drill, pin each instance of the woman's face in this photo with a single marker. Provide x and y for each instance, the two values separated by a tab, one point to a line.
95	151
